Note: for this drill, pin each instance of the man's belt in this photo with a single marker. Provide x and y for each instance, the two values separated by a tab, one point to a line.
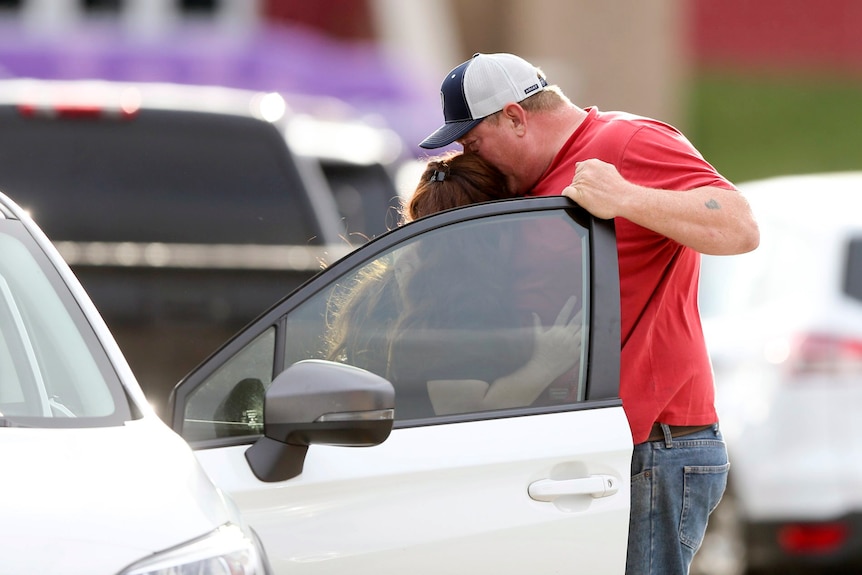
656	433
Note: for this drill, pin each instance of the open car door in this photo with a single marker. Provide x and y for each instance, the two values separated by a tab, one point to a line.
473	357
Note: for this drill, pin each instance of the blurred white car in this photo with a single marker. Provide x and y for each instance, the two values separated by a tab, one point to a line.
784	328
92	480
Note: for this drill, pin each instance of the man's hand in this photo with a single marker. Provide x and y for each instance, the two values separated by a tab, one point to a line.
708	219
598	188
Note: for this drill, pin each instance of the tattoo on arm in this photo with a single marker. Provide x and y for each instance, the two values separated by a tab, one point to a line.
712	205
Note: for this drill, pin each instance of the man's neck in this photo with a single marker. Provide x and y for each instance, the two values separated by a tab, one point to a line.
557	127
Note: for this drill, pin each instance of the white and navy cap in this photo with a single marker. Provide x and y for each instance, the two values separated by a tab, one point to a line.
479	87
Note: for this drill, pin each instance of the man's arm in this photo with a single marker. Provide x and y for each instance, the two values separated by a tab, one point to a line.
710	220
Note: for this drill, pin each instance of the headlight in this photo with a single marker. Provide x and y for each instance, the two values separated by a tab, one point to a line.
226	551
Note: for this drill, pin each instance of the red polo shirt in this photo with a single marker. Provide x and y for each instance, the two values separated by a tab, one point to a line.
666	375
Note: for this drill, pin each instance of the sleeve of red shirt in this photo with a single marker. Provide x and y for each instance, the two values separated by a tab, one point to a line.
659	156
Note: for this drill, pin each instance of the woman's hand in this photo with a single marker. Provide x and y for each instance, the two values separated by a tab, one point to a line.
557	348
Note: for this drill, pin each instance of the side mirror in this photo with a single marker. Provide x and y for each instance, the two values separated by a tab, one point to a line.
319	402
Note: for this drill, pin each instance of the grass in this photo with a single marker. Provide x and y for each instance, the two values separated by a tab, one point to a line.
752	126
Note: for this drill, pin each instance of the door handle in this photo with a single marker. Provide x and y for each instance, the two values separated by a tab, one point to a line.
594	485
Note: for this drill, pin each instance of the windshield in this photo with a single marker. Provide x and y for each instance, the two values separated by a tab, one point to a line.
53	371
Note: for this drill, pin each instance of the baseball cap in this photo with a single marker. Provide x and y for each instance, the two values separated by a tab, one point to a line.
479	87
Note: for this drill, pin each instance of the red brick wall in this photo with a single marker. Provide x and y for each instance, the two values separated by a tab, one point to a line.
791	34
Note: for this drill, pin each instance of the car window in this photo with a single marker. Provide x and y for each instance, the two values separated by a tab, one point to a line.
450	306
53	372
853	269
230	402
466	319
366	198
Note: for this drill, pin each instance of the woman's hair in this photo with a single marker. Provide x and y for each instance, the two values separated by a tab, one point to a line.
360	316
370	315
455	179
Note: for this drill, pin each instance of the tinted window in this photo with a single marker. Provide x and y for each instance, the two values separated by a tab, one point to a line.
448	316
853	269
366	198
474	317
160	176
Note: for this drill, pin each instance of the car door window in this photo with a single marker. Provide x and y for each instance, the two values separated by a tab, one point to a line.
465	319
448	315
366	198
230	402
853	269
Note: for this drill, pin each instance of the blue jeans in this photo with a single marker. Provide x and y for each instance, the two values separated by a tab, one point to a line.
676	484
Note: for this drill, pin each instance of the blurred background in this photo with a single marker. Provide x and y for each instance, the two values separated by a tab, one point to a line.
762	88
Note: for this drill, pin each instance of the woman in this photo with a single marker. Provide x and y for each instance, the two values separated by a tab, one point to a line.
465	343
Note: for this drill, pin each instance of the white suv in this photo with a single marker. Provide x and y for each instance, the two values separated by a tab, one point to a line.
784	327
93	481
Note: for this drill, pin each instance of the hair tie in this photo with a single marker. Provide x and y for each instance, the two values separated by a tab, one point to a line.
437	176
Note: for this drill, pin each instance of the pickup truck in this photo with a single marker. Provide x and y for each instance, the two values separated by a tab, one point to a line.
186	211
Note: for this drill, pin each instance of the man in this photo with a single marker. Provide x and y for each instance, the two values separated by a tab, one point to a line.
669	205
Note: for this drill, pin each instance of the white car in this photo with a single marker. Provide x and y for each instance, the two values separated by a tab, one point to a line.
533	487
784	328
92	480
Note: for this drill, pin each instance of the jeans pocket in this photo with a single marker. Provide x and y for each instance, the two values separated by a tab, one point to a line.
704	486
639	541
641	498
